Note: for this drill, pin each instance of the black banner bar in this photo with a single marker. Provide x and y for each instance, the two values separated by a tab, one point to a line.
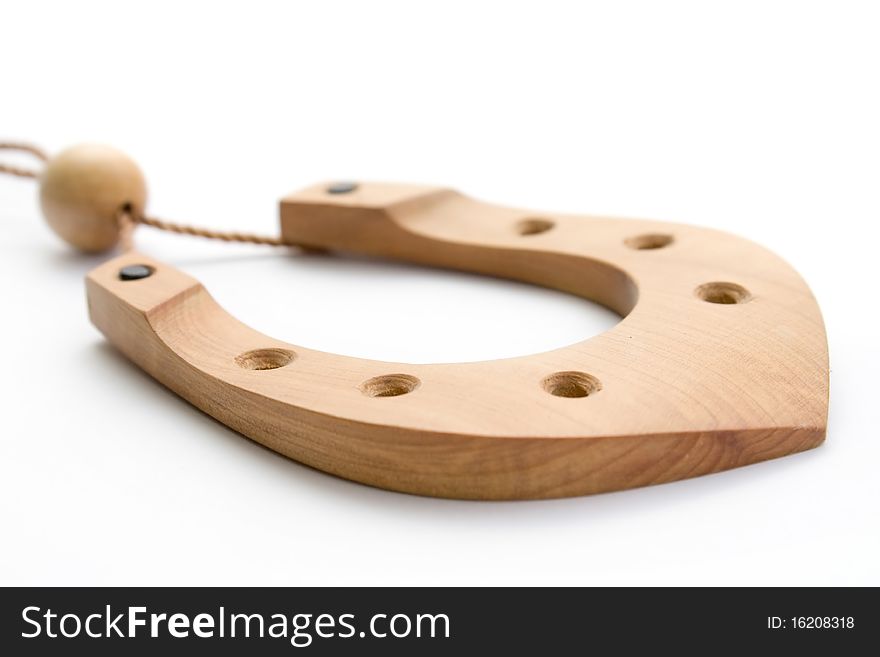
144	621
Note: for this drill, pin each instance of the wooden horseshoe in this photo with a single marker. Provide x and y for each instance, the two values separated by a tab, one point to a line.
720	359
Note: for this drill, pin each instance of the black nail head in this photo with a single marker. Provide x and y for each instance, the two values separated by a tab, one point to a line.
341	188
134	272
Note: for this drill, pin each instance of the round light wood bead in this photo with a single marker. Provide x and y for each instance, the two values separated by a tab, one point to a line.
82	190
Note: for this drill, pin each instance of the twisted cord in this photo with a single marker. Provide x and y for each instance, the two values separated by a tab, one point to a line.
22	172
128	221
184	229
126	230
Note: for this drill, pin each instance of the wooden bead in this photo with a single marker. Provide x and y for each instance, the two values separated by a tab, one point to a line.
82	190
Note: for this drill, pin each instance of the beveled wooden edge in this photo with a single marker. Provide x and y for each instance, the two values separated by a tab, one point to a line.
685	386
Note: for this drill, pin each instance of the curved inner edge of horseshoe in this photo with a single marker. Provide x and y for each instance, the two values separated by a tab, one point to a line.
719	361
675	363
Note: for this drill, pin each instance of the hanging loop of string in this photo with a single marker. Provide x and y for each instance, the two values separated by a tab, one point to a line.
22	172
129	220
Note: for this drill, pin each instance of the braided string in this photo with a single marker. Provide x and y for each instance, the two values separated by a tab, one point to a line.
184	229
22	172
128	220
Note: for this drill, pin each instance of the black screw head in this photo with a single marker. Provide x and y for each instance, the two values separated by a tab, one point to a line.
135	272
343	187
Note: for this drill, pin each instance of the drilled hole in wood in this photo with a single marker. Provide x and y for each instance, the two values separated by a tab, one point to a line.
724	293
572	384
264	359
534	226
389	385
648	241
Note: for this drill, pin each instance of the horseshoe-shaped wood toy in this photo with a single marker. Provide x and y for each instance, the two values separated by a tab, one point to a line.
720	359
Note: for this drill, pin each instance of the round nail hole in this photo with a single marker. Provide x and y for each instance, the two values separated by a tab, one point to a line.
571	384
389	385
649	241
725	293
264	359
534	226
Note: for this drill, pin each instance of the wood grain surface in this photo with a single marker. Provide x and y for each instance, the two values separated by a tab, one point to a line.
719	360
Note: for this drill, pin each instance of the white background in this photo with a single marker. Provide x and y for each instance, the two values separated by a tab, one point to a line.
756	117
